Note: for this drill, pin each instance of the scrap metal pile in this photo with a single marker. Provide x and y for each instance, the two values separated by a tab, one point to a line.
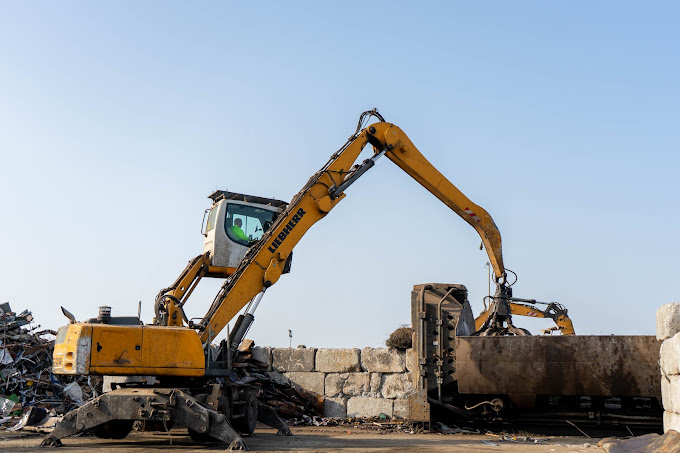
289	401
26	381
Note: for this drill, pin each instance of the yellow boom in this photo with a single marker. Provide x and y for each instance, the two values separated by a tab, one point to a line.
175	346
264	262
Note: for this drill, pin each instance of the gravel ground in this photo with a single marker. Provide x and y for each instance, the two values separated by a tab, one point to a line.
314	439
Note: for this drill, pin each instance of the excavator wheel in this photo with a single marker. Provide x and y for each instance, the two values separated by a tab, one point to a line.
245	423
115	429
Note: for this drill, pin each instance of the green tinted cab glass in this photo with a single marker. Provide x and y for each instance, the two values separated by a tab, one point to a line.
245	224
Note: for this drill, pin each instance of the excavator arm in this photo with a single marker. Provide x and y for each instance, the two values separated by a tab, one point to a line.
263	263
406	156
553	311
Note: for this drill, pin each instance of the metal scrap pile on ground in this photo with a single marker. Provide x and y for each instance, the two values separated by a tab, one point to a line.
26	380
287	400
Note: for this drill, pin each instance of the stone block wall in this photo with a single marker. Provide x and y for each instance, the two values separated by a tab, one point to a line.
668	330
355	382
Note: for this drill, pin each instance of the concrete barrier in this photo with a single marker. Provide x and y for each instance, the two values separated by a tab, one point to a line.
667	320
293	359
355	383
383	360
338	360
314	382
668	330
365	406
669	356
670	393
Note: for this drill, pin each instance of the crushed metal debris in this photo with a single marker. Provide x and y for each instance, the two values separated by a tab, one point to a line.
518	439
288	400
29	393
382	423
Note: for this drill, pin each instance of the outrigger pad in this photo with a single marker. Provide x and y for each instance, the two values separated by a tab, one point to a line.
269	417
146	404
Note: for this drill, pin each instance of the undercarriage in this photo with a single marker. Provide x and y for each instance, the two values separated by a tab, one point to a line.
215	413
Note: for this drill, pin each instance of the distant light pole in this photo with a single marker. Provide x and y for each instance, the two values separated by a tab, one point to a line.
290	338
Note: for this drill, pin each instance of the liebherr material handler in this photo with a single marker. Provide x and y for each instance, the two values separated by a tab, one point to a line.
249	242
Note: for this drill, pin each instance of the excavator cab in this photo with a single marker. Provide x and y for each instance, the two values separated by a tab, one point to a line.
236	221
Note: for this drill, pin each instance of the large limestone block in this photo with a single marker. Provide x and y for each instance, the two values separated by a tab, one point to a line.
293	359
262	354
396	385
347	384
338	360
671	420
670	393
357	384
669	359
667	320
383	360
314	382
376	383
411	360
334	384
401	408
335	407
647	443
365	406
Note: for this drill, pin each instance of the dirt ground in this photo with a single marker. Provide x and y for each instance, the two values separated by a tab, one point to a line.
304	439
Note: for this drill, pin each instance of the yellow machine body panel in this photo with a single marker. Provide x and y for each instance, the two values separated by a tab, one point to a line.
171	349
72	349
102	349
115	346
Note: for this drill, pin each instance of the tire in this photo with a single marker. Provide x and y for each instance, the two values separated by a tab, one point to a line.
115	429
246	423
223	407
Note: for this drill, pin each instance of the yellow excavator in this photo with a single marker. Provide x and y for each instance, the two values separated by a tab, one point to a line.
248	241
484	323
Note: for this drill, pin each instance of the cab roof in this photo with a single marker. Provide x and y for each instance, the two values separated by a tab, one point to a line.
226	195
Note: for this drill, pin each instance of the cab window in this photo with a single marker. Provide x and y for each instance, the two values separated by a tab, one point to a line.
245	224
211	219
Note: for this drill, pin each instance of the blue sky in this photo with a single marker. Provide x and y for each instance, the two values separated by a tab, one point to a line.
559	118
